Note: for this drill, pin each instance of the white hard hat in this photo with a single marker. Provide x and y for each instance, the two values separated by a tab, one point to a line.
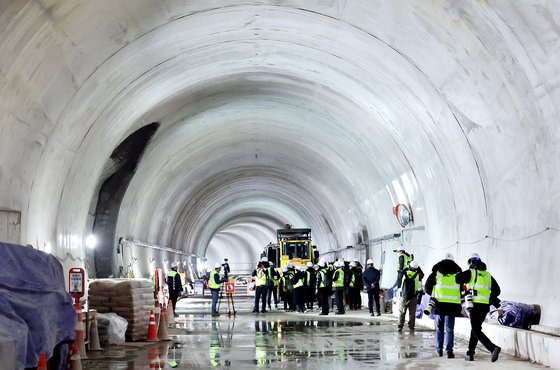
264	259
217	266
449	256
400	249
272	264
309	264
174	265
284	269
289	264
369	262
474	256
352	264
322	263
414	265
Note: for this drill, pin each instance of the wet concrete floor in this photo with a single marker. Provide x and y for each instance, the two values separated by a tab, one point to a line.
289	340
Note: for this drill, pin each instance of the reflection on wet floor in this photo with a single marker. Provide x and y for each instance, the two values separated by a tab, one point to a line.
280	340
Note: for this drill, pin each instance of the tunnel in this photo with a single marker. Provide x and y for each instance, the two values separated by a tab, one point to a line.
327	115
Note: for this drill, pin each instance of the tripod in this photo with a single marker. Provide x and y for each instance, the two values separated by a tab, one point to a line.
229	297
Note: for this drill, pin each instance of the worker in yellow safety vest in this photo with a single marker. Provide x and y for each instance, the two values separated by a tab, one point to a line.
445	302
174	285
338	286
298	280
310	282
261	276
273	282
215	284
323	287
482	290
410	287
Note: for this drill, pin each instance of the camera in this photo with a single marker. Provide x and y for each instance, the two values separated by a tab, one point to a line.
429	307
469	299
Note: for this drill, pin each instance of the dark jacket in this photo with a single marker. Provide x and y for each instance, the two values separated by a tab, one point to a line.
174	285
357	272
370	278
465	276
312	277
443	308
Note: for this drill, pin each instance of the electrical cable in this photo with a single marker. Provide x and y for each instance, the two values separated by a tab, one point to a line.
548	228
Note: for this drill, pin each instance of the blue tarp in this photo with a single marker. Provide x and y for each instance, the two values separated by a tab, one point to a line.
36	312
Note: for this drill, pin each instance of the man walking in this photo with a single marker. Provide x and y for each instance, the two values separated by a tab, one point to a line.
174	285
410	287
370	279
482	289
446	300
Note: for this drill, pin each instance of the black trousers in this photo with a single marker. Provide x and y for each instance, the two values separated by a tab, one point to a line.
373	294
173	297
339	298
310	296
260	295
289	301
324	300
298	298
477	316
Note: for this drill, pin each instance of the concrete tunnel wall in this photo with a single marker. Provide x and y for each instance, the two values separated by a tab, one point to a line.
330	112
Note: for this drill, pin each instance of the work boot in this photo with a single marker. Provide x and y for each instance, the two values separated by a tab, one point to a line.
450	354
378	314
399	329
496	353
439	353
469	357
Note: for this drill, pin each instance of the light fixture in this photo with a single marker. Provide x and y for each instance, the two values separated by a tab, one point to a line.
91	241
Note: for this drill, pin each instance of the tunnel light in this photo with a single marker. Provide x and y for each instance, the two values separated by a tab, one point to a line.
91	241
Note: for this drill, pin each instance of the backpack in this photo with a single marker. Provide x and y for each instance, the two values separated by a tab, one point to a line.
408	287
288	285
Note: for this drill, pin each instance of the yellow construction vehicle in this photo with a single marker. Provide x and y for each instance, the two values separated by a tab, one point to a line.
294	245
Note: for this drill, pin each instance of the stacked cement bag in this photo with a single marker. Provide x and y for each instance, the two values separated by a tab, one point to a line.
131	299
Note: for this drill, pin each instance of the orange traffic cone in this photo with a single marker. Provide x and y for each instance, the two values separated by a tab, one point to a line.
75	362
153	357
170	314
42	365
80	343
162	328
93	333
152	329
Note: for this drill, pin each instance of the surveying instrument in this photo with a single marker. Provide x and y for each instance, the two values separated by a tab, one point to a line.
229	289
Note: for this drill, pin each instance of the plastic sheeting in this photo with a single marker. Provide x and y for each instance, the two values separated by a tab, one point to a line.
36	312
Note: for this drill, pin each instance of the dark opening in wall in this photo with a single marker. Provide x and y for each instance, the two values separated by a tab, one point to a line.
122	165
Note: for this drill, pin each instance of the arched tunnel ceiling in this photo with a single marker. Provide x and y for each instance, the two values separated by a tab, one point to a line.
328	112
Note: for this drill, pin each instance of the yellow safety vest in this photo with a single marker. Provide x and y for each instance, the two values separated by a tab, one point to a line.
323	278
260	279
482	287
407	260
212	280
339	282
446	290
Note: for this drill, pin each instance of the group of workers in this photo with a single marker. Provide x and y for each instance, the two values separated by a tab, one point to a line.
301	287
447	285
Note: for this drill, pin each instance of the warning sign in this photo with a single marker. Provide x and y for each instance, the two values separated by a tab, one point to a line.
230	288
